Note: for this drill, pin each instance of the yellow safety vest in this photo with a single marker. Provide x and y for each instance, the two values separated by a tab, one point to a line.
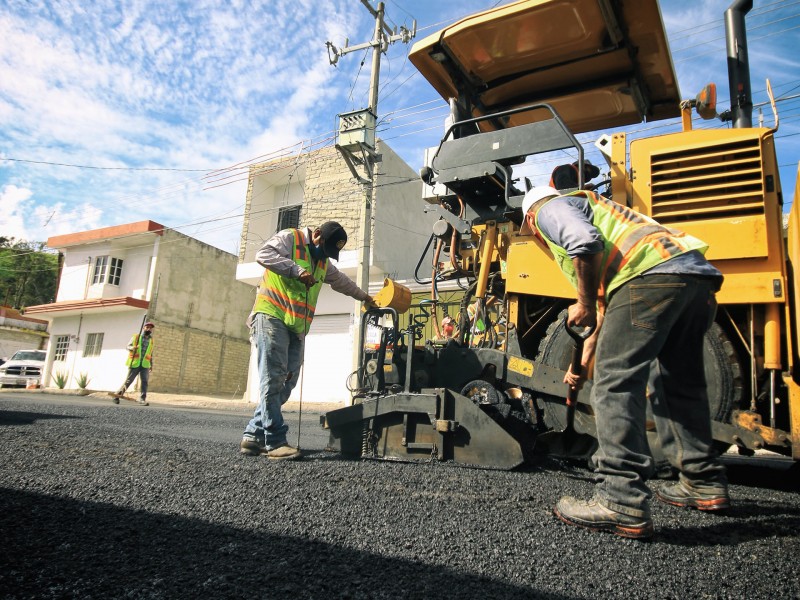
633	243
286	298
135	354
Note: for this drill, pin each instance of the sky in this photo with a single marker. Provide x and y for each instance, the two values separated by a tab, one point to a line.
119	111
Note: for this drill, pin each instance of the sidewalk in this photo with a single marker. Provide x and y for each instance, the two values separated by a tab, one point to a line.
218	402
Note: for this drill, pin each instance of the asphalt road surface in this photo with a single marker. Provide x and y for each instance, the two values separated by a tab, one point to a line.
120	501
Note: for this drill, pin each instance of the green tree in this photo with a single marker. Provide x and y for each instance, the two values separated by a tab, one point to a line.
28	274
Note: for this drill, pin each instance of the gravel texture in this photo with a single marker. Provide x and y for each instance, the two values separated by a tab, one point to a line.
105	501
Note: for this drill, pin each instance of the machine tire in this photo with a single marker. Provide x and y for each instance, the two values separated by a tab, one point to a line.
722	367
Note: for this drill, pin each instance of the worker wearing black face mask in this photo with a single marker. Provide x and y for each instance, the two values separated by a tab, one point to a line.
296	263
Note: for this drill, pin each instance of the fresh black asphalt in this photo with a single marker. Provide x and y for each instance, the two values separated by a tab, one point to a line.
120	501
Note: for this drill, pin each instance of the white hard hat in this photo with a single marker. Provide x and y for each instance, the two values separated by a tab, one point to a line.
532	196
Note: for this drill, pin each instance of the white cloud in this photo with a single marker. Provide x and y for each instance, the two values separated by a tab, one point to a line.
24	219
205	84
12	211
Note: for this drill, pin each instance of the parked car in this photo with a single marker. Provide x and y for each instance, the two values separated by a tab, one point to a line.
23	367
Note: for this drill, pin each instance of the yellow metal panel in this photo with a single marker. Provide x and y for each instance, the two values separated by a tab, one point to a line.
737	238
793	251
703	173
748	287
601	64
532	270
794	415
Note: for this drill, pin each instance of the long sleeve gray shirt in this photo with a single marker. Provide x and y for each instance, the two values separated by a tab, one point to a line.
276	253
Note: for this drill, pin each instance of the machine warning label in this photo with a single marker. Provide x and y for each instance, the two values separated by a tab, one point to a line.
521	366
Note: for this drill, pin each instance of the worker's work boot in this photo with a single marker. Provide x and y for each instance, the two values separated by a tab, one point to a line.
251	447
285	452
681	494
594	516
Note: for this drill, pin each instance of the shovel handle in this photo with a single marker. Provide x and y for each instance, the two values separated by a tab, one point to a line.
579	338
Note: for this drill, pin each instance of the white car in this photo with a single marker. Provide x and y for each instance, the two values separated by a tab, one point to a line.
22	367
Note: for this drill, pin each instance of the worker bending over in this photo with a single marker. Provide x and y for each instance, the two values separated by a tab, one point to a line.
652	291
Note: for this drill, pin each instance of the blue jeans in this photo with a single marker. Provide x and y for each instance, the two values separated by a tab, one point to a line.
144	376
280	353
662	317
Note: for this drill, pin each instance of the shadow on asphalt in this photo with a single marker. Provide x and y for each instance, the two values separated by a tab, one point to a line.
782	476
66	548
745	521
8	417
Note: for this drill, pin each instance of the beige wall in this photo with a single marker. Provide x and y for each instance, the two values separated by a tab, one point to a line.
13	339
197	288
400	226
189	360
329	192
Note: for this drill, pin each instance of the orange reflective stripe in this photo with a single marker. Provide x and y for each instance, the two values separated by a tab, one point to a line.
299	245
289	310
296	308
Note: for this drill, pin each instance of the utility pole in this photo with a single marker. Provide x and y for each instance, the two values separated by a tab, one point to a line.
361	139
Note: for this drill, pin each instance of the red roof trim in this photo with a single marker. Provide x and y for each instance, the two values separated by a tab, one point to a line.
87	304
104	233
12	313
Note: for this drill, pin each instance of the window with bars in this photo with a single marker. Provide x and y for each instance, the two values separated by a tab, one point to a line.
107	270
289	217
94	344
61	347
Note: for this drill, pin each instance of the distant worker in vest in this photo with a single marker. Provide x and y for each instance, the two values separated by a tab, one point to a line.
139	363
296	263
651	294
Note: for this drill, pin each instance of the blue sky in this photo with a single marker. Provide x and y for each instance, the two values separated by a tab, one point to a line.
118	111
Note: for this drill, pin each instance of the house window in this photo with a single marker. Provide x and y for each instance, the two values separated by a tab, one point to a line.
100	268
94	344
114	271
289	217
107	270
61	347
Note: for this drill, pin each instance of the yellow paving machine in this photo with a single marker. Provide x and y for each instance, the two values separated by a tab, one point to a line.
522	81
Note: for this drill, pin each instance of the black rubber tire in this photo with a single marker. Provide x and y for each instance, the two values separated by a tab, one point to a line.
722	367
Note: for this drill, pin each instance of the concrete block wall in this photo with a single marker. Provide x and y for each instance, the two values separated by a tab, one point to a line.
189	360
197	288
331	193
13	339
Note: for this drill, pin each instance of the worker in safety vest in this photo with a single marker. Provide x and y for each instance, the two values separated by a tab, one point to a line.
139	363
296	263
653	292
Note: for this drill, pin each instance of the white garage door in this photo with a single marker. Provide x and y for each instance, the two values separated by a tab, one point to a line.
328	360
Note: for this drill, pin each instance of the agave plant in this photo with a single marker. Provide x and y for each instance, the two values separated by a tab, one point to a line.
60	377
82	380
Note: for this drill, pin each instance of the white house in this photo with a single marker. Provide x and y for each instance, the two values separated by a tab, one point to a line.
307	191
115	277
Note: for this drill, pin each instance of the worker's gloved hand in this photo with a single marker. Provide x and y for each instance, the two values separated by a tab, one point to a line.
307	279
370	303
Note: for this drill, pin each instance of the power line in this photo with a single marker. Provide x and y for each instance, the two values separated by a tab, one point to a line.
58	164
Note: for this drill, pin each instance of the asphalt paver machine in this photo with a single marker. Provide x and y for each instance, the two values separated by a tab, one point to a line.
522	81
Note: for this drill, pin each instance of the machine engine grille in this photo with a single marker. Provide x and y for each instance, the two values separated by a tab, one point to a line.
722	181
